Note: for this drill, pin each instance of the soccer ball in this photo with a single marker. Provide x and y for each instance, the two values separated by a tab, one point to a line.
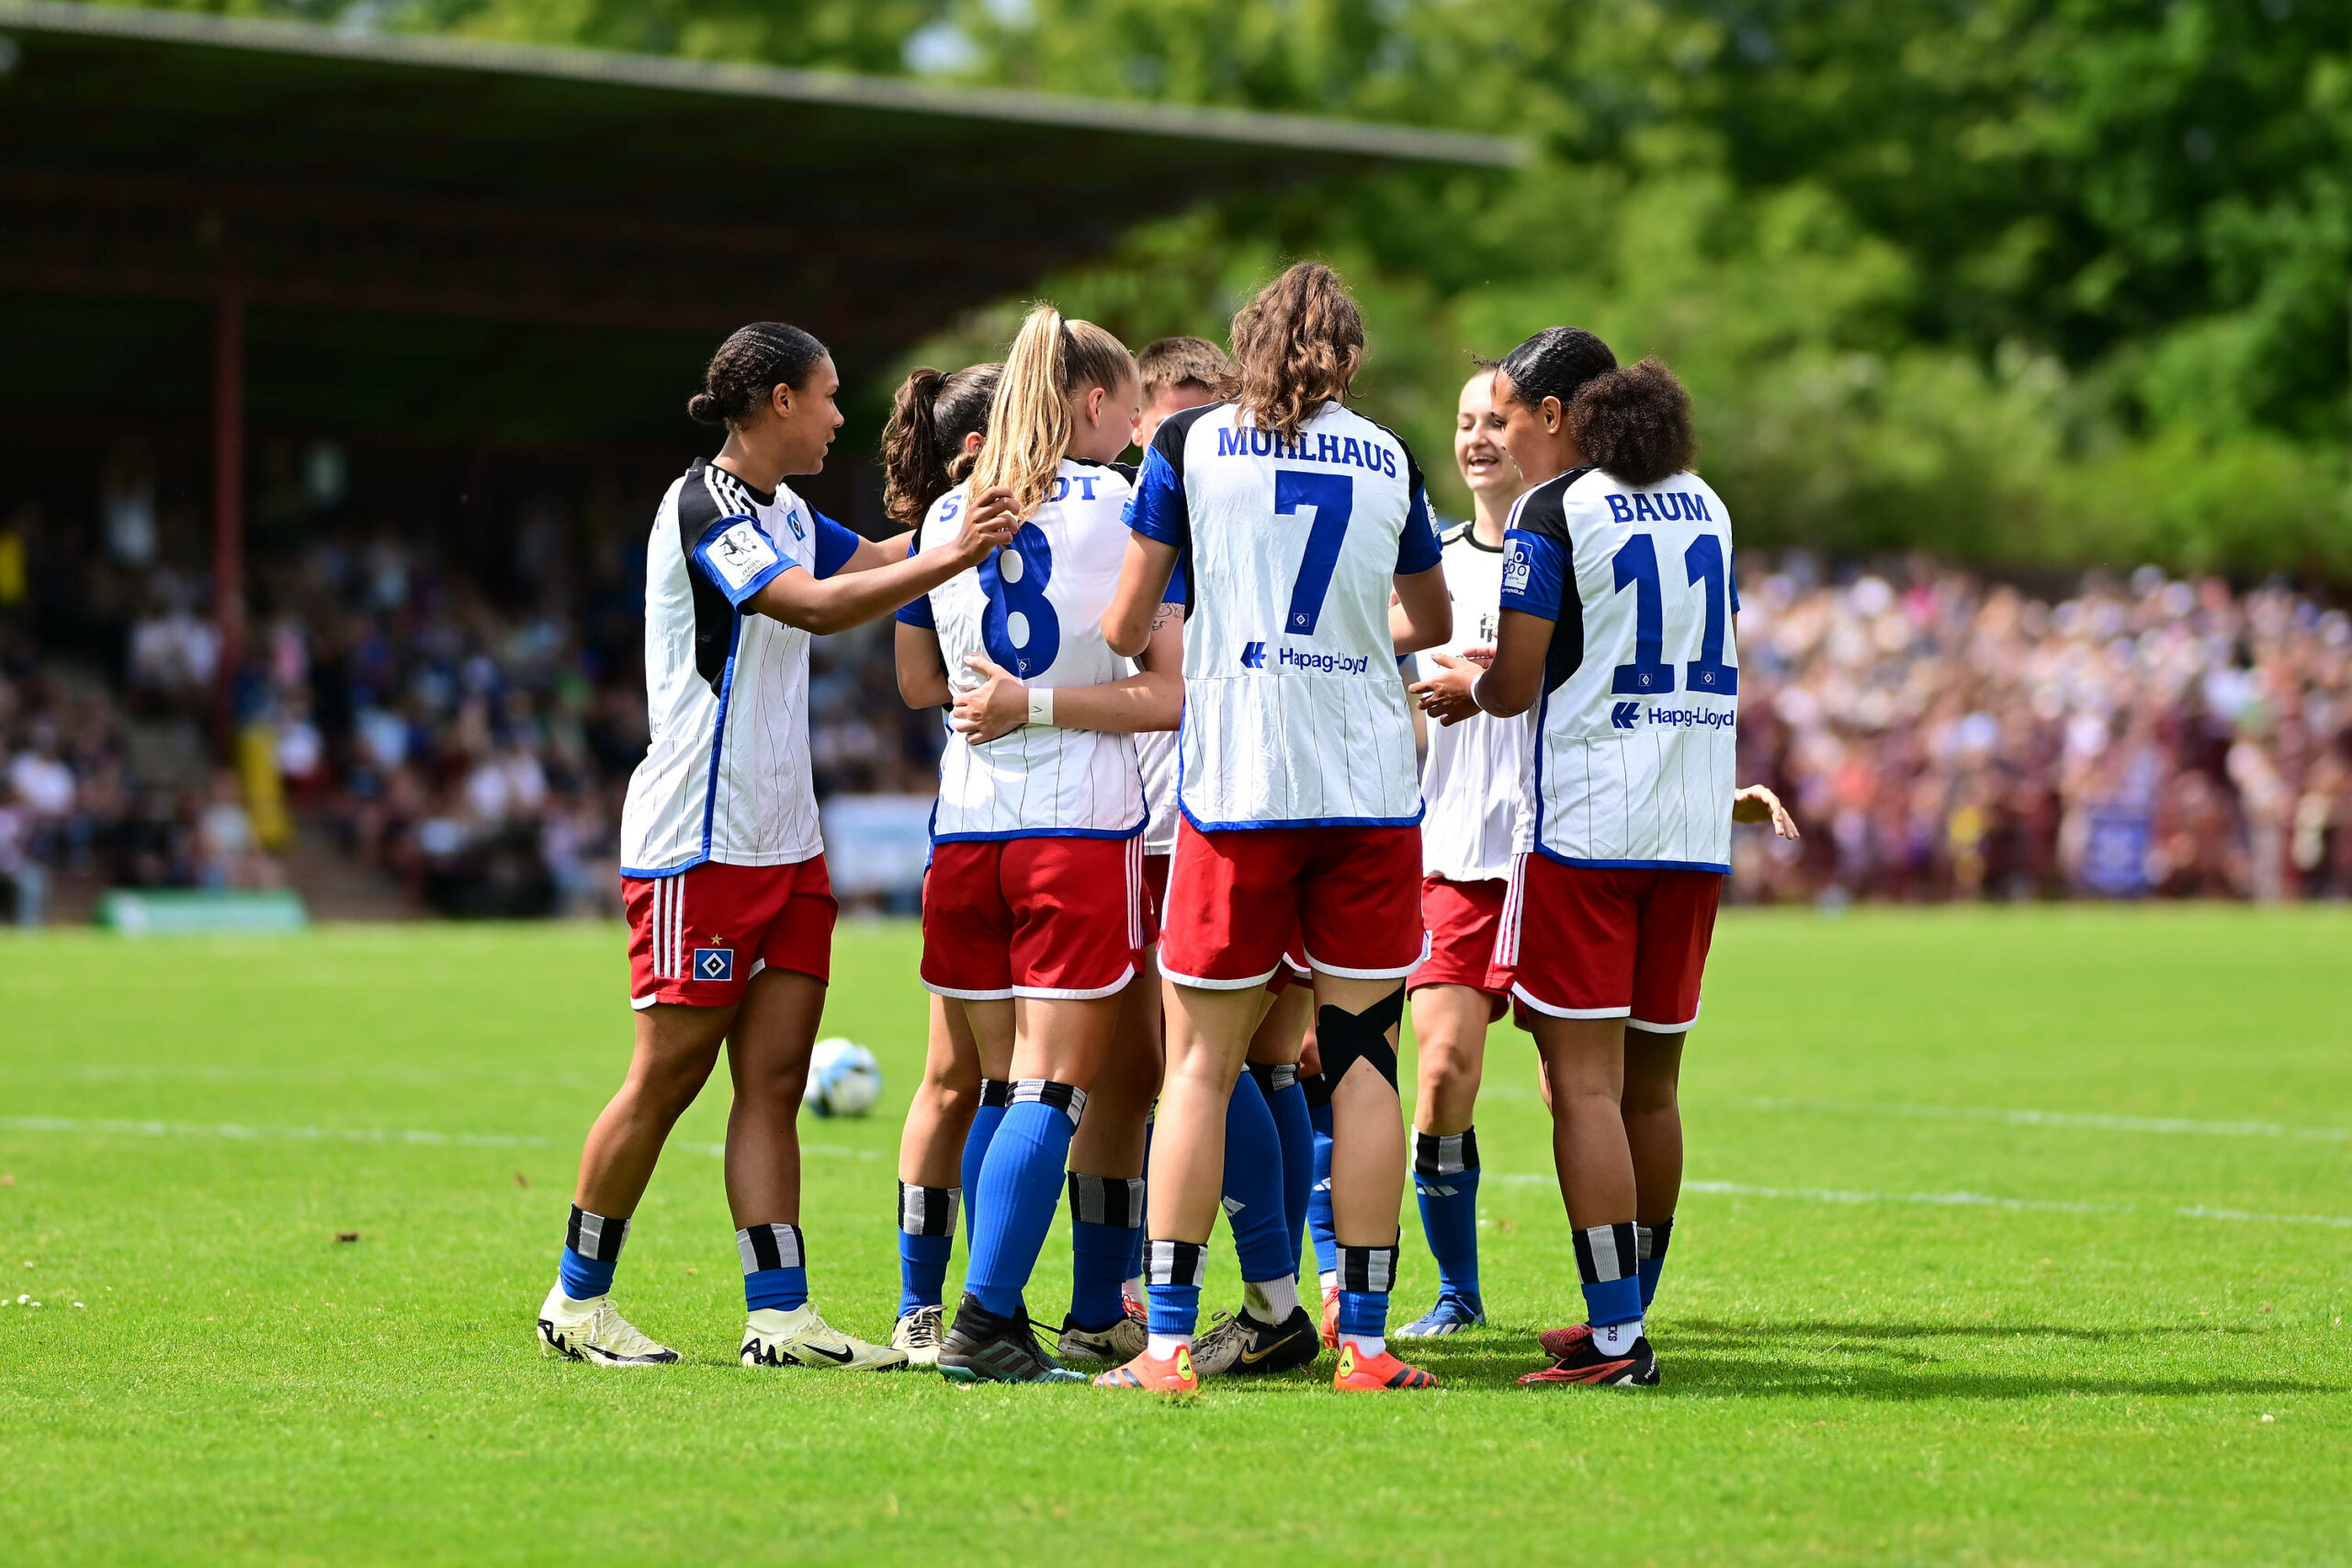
843	1078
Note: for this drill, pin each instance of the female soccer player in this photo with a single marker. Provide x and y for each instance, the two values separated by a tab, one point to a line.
1617	601
1301	807
1033	907
932	437
723	870
1471	780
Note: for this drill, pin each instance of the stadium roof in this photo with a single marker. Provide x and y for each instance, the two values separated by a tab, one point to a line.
475	201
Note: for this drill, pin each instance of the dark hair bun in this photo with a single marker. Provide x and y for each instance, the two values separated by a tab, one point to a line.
748	368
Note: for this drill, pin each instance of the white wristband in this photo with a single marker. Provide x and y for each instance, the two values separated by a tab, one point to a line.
1041	705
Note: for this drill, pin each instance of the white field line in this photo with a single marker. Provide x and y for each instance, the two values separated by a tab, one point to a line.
1969	1201
235	1129
2084	1121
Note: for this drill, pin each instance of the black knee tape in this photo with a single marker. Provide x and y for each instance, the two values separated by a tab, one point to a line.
1346	1038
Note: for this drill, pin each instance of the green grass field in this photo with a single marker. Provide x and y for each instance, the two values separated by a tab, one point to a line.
2016	1236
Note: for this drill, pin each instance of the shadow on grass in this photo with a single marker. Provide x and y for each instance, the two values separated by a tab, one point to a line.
1894	1362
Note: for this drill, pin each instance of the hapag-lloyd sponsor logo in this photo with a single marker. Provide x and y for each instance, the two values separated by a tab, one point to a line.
1324	663
1694	718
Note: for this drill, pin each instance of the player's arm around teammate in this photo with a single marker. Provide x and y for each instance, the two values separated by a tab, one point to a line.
1299	518
1033	908
723	863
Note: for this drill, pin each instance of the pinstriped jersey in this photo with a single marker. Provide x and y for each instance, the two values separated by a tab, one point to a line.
1294	713
726	776
1636	742
1476	771
1035	608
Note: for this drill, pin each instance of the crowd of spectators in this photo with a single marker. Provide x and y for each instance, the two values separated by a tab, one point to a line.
1945	737
1939	736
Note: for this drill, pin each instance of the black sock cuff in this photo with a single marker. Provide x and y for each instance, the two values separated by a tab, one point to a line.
1115	1201
1273	1077
1606	1253
928	1210
1445	1154
1371	1270
995	1091
1067	1099
763	1247
1175	1263
596	1237
1650	1241
1316	1086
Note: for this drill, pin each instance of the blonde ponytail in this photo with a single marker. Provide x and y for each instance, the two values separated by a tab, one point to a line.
1030	425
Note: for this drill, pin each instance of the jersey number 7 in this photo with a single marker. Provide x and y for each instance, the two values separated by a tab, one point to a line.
1331	497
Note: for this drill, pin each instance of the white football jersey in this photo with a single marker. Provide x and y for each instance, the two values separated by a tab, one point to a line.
1035	608
1476	773
1293	714
1636	742
726	777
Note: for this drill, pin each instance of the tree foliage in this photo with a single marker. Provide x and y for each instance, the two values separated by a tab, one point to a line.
2026	280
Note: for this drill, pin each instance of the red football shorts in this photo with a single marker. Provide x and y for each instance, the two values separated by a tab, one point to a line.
1584	942
1154	889
1057	919
698	937
1463	919
1237	897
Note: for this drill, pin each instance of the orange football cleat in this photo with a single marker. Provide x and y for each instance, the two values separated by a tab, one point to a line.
1384	1370
1559	1342
1171	1374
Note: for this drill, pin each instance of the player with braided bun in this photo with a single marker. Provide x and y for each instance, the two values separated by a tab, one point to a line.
722	866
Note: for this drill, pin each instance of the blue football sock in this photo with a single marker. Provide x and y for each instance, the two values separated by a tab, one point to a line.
1651	1241
985	1121
1319	1201
1445	1178
1608	1265
926	1237
1253	1185
1365	1275
592	1250
1172	1271
1105	1226
1020	1181
775	1272
1296	1125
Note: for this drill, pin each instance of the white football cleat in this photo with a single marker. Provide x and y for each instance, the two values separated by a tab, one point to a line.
918	1333
1112	1346
801	1338
592	1331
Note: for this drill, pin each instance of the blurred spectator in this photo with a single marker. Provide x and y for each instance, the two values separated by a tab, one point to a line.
1957	739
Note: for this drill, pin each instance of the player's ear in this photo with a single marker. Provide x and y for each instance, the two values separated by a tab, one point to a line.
1555	416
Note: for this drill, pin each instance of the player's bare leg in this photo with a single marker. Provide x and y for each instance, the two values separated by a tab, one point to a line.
676	1047
767	1058
930	1182
1585	1061
1269	1178
1367	1177
1450	1039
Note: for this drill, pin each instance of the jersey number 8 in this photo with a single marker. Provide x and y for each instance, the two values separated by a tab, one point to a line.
1019	627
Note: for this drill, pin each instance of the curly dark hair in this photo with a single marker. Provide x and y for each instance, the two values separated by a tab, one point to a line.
748	368
1635	423
1297	345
